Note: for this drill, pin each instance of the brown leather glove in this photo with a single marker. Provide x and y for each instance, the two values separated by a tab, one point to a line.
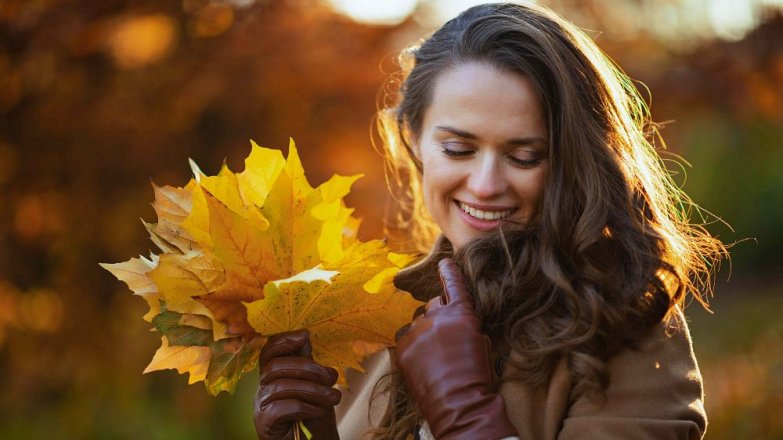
293	387
444	360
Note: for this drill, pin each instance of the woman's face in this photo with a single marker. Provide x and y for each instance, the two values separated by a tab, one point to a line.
483	148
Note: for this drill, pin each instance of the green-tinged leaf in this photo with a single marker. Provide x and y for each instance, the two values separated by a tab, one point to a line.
231	358
168	323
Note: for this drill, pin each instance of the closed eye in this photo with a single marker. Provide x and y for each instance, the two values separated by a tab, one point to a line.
524	162
455	149
525	158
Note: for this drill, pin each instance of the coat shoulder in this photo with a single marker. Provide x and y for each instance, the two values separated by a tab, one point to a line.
654	392
655	389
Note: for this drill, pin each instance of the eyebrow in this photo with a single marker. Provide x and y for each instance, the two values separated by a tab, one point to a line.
468	135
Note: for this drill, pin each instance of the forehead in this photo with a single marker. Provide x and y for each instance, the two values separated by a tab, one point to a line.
480	98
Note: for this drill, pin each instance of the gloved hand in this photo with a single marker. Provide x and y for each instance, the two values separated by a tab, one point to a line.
444	359
294	387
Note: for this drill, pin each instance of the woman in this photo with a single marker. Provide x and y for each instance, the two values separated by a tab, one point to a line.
527	149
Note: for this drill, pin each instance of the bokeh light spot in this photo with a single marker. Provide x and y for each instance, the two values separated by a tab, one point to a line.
139	41
38	215
385	12
731	19
438	11
41	310
212	20
30	216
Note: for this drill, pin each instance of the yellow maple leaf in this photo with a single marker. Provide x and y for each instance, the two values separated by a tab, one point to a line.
293	232
262	167
185	359
172	206
346	320
243	193
182	278
225	187
335	217
135	273
305	227
250	254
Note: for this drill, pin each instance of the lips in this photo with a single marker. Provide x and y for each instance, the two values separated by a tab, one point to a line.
485	213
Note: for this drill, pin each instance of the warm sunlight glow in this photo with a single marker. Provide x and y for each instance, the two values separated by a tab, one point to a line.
699	19
447	9
385	12
679	21
731	19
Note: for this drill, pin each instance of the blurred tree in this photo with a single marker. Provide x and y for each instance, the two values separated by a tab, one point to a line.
98	97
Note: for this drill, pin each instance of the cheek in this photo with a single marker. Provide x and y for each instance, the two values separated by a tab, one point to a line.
437	181
531	189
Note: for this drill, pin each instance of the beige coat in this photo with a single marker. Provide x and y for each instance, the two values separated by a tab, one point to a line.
654	392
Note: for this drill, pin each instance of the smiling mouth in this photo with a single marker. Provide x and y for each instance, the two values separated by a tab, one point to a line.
485	215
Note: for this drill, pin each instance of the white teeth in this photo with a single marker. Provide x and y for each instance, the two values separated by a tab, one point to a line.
485	215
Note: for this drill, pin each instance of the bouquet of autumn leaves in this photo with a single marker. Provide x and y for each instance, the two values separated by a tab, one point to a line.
251	254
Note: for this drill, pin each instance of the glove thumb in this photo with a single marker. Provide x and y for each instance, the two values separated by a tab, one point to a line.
453	282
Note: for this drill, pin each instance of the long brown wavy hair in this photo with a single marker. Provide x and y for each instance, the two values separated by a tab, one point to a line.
613	250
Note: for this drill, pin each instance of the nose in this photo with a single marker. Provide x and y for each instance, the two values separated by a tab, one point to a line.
487	179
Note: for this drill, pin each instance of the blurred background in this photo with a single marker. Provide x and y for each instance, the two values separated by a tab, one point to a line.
97	98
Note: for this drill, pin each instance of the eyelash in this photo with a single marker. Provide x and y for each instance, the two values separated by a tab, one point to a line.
525	163
454	153
459	154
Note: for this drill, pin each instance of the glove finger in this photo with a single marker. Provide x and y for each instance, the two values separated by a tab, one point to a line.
284	344
296	410
288	367
453	282
307	349
275	420
306	391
